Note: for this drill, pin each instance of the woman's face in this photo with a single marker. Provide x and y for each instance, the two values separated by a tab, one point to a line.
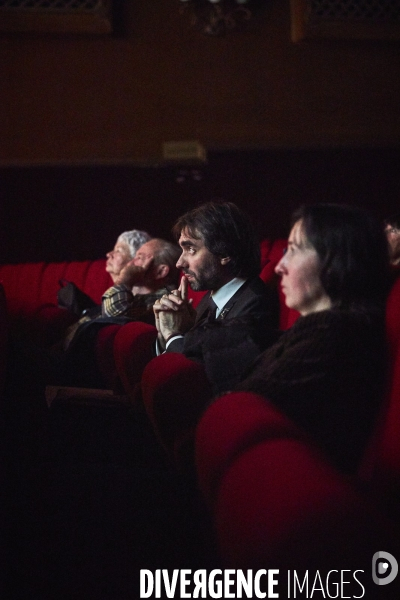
117	259
299	270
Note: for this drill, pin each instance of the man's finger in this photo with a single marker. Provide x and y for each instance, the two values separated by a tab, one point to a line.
180	285
183	287
168	304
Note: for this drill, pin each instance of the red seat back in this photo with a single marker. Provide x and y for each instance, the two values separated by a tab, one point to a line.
175	392
28	286
388	460
381	466
393	319
229	427
274	498
287	316
104	355
133	349
3	338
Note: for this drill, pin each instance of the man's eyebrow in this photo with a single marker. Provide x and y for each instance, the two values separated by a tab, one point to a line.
186	243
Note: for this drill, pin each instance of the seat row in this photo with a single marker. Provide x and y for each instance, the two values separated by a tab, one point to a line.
31	292
274	498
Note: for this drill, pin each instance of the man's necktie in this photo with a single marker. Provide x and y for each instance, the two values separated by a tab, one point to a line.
211	311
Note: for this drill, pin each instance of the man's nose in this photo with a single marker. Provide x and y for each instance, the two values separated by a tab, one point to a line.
180	262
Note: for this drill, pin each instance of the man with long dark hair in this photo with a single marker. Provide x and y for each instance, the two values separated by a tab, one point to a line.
238	316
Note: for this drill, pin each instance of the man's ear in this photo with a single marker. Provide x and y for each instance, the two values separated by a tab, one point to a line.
225	260
161	271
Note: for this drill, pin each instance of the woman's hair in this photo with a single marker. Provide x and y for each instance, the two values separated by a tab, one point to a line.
226	231
134	239
353	251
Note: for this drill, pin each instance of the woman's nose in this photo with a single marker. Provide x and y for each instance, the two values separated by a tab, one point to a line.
281	266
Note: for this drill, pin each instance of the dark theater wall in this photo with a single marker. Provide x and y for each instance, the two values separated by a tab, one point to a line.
118	97
74	213
83	119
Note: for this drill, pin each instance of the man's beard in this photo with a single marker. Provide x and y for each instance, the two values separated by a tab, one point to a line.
209	277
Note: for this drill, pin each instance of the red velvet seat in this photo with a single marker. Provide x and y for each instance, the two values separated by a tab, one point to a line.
381	467
393	319
386	474
224	433
29	286
3	338
133	349
31	290
104	355
287	316
271	259
22	287
175	392
275	499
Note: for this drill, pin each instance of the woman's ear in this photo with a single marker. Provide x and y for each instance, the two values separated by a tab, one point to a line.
225	260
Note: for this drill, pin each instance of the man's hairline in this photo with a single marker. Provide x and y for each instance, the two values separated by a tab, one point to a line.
192	233
191	239
199	237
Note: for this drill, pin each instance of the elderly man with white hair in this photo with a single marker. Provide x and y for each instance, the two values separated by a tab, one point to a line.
138	281
143	269
126	246
76	301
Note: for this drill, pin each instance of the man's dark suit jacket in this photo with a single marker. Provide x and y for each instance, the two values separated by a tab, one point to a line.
246	326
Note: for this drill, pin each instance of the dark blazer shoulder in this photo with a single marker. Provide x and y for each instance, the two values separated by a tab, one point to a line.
252	297
256	286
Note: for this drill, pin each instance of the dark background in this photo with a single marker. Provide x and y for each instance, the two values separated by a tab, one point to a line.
74	213
83	120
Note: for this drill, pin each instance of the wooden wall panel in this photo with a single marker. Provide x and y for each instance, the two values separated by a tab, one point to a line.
116	99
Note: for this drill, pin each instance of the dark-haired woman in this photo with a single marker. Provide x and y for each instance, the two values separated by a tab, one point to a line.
326	372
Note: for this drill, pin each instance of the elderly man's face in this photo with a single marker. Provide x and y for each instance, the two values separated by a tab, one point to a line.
393	237
117	259
146	254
